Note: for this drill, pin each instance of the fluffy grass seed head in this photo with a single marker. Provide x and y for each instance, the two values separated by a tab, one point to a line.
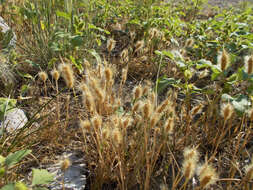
137	92
153	33
203	73
154	119
248	64
96	122
108	74
169	126
223	60
124	58
67	74
191	157
147	109
146	89
163	106
88	101
55	74
106	133
139	45
136	106
227	111
191	153
43	76
124	75
189	42
86	63
99	93
127	122
85	125
189	167
110	44
207	175
152	98
249	172
117	137
65	164
196	110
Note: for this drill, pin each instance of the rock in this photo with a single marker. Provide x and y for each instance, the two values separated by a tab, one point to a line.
7	36
14	119
74	177
7	42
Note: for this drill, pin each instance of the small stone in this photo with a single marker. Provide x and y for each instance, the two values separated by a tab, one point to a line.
14	119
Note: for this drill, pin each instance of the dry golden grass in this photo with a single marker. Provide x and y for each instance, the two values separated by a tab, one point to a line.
130	136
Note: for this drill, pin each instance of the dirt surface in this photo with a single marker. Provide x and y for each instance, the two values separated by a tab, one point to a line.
227	3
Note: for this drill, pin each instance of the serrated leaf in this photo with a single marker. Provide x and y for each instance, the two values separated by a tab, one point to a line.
41	177
16	157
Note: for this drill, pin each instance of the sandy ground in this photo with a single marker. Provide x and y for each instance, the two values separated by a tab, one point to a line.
226	3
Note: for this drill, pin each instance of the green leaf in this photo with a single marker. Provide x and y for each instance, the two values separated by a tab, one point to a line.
78	66
16	157
41	177
157	52
10	186
40	188
63	15
76	40
51	63
203	63
91	26
32	63
168	53
24	89
165	82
